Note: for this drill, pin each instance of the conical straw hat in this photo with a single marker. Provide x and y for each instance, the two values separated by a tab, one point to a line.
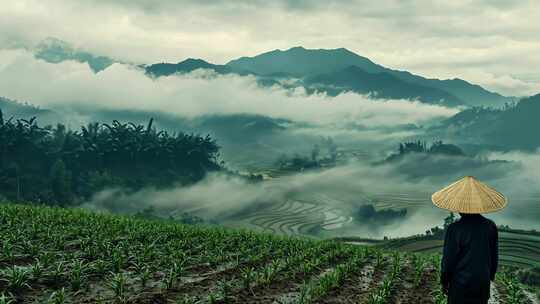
468	195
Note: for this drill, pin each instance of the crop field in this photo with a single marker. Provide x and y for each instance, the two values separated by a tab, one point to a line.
297	217
53	255
515	249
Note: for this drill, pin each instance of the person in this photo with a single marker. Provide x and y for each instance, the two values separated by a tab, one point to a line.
470	254
470	259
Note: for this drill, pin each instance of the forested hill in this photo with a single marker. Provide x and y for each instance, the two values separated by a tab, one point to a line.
57	165
513	127
302	62
339	70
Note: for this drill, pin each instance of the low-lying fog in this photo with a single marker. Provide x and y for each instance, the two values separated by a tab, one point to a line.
275	121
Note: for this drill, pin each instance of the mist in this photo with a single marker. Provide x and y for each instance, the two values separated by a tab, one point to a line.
300	120
223	199
73	85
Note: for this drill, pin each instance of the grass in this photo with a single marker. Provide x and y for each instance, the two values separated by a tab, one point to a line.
54	255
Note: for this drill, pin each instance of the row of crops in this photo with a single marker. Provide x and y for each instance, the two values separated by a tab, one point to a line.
515	249
52	255
297	217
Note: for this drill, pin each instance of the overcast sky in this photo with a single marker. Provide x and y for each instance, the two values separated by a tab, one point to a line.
491	42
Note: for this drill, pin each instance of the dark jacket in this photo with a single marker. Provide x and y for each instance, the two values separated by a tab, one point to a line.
470	259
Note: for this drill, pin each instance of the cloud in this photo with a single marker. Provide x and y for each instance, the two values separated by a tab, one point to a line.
71	85
344	188
224	198
436	38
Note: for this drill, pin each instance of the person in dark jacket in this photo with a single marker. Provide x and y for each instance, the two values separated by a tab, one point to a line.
470	259
471	254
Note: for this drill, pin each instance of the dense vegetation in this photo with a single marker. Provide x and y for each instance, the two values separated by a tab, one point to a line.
59	255
438	147
57	165
505	129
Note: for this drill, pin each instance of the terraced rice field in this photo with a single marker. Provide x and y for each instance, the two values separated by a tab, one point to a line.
297	217
516	249
52	255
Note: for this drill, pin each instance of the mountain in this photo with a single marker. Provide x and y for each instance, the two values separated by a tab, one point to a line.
300	62
513	127
54	50
383	85
14	108
186	66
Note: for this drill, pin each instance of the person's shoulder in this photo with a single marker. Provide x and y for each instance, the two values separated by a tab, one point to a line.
491	223
454	225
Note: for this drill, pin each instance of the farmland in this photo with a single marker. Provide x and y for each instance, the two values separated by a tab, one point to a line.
297	217
515	248
53	255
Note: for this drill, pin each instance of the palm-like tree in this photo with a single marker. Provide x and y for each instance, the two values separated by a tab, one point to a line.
133	154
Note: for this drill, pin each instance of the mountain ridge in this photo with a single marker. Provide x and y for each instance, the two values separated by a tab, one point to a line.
304	62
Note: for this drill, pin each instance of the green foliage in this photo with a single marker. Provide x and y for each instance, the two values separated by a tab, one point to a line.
60	182
129	257
16	278
438	296
437	147
6	299
514	292
56	165
57	297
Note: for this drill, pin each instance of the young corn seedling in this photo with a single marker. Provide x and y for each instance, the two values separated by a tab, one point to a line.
305	293
16	278
438	295
36	270
382	294
57	297
144	276
224	289
213	298
419	266
379	258
58	271
46	259
76	276
170	280
515	294
117	284
118	261
8	251
7	299
100	266
248	276
31	248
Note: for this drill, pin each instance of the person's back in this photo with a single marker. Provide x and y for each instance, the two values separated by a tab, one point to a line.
470	259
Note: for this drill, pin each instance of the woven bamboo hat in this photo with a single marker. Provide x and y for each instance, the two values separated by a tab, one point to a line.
468	195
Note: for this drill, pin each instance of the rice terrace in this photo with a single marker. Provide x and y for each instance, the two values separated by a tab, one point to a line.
269	152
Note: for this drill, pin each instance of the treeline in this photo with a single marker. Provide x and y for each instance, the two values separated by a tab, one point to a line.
323	154
437	147
60	166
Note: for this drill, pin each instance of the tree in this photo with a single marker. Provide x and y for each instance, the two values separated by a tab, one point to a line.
449	220
60	183
57	164
16	173
315	152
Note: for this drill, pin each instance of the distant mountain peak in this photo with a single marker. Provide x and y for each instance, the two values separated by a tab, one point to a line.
186	66
296	48
301	63
193	60
54	50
